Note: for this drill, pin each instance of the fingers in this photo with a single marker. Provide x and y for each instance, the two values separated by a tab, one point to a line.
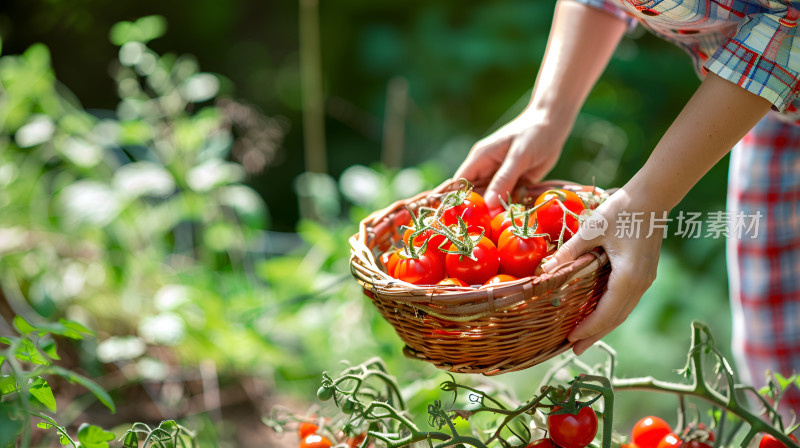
482	160
570	251
625	288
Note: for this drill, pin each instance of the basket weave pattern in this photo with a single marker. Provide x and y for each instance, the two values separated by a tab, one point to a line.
491	330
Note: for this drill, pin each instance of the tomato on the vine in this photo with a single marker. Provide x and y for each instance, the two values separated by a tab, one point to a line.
420	265
670	440
434	239
550	215
502	221
474	271
306	429
315	441
325	393
572	430
649	431
695	444
519	254
769	441
472	210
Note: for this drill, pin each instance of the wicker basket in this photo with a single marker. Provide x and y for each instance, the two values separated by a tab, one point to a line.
491	330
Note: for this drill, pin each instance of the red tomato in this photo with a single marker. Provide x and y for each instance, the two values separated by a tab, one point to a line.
450	281
474	213
390	259
306	429
427	269
499	278
542	443
551	216
628	445
354	442
572	431
520	256
502	220
648	431
670	440
473	272
434	239
769	441
315	441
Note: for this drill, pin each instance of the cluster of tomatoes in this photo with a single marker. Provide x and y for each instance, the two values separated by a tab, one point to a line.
463	243
310	439
566	430
654	432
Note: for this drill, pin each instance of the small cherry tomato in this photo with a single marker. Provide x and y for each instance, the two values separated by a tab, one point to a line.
473	212
520	255
325	393
315	441
649	431
670	440
499	278
354	442
473	271
572	431
550	216
390	259
769	441
426	269
503	220
450	281
306	429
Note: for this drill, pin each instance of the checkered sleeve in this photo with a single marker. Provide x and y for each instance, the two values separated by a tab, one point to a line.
611	7
763	55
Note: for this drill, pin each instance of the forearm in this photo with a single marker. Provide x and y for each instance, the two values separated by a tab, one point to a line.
717	116
581	42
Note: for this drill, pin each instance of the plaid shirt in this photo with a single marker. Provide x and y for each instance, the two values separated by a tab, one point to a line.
752	43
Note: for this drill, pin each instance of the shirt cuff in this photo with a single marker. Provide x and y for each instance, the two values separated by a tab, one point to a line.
763	57
612	8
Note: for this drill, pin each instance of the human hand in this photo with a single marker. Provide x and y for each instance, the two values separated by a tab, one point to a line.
526	148
633	257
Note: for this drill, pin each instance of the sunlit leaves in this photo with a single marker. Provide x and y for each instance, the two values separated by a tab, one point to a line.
144	29
40	390
91	436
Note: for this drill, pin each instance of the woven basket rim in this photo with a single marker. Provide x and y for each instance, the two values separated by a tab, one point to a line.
365	268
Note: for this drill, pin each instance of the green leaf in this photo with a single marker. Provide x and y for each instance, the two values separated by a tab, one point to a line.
91	436
2	360
49	348
8	384
93	387
131	440
784	382
74	328
7	341
143	30
41	391
27	351
169	425
22	325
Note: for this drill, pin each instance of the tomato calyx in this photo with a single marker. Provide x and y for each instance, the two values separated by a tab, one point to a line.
462	240
525	230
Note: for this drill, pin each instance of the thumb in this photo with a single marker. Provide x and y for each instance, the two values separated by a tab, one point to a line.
570	251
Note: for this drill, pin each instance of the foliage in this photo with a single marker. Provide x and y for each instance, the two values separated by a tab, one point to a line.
370	401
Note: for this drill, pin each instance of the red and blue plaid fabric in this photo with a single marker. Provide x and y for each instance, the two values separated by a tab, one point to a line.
753	43
764	272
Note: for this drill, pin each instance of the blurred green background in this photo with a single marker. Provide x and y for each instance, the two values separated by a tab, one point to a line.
154	185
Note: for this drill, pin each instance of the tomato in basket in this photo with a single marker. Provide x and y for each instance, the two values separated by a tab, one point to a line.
520	251
471	208
553	207
474	259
